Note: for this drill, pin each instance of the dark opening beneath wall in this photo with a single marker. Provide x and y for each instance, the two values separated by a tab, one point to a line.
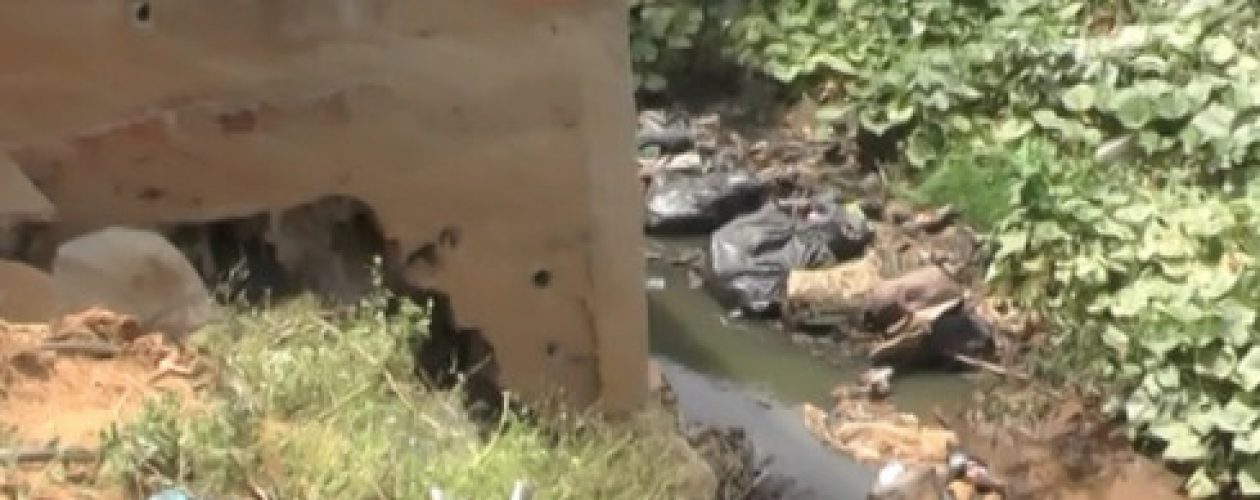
334	248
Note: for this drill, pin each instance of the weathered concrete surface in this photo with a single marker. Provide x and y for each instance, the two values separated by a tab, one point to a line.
507	122
27	295
19	199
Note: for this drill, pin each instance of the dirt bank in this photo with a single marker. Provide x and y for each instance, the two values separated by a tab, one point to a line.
65	384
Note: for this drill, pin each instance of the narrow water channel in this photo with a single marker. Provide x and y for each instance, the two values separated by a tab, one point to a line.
748	374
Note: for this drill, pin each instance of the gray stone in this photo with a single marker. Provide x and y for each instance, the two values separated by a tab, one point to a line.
133	272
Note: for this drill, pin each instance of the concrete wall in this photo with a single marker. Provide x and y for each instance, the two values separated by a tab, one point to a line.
508	121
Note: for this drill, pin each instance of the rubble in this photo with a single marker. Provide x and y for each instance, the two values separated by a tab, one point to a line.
918	461
69	379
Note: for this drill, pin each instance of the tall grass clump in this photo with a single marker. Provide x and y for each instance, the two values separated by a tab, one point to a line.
311	405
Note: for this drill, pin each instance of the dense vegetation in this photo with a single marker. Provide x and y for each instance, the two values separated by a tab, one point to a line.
1109	146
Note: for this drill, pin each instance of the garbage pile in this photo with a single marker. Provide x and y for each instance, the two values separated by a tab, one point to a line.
799	231
917	460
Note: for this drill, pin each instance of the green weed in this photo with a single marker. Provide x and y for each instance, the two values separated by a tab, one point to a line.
312	406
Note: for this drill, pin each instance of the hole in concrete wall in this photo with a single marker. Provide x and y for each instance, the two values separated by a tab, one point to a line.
450	356
541	278
235	259
449	236
19	241
265	257
142	13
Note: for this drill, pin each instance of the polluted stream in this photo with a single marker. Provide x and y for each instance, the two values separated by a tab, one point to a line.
748	374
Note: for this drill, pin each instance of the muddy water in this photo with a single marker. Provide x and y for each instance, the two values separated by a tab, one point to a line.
748	374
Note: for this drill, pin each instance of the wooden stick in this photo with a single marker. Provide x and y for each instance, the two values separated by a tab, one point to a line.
21	456
990	367
522	491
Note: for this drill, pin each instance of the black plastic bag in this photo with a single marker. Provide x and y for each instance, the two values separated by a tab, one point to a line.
750	257
691	203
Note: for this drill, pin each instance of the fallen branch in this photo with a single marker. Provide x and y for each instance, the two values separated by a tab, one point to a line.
23	456
100	349
990	367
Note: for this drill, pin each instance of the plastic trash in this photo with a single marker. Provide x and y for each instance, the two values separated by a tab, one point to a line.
680	202
751	256
171	494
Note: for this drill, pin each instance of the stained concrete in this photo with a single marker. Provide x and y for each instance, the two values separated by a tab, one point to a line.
507	122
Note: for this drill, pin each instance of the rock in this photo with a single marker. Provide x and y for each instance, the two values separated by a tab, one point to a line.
751	257
20	200
133	272
27	294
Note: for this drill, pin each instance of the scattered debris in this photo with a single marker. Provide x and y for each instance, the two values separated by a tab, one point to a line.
875	433
133	272
682	202
171	494
876	382
896	481
751	257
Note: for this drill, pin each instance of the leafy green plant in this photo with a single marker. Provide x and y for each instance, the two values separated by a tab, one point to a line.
1154	294
985	72
661	32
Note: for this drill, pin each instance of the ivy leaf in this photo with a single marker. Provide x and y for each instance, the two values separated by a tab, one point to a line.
1201	485
1248	442
1185	448
1237	320
1147	63
1115	339
832	112
1215	122
1218	364
1220	50
1132	108
924	145
1160	341
1249	478
1236	417
834	63
1079	98
654	82
1184	444
1011	129
1070	11
1249	369
1174	105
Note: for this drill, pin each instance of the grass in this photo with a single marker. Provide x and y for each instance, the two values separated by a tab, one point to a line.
977	184
309	407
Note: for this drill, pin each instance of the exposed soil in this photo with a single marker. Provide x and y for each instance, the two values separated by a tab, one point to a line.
65	383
